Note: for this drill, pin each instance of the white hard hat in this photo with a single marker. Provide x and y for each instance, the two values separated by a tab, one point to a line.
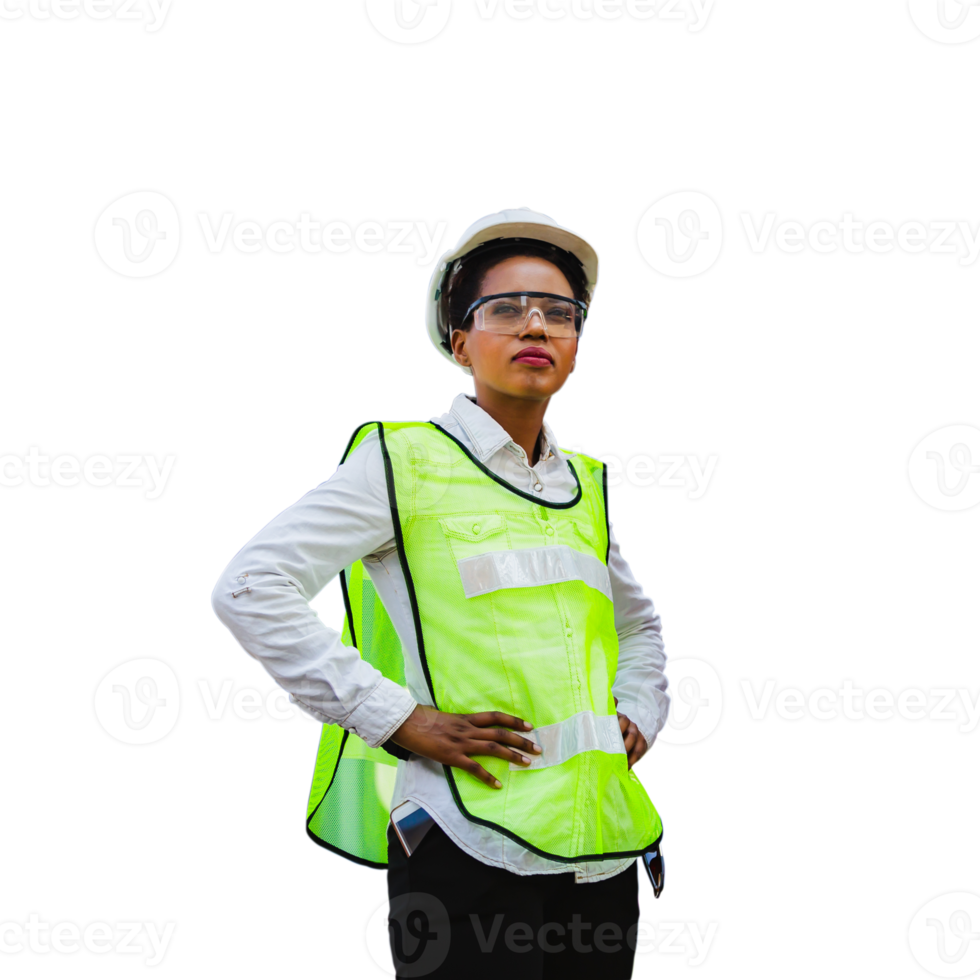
515	223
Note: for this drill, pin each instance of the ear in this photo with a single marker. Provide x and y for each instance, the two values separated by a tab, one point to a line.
458	342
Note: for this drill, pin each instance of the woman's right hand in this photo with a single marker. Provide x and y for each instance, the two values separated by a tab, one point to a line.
454	739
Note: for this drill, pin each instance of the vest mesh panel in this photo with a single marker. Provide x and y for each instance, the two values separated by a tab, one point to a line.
350	797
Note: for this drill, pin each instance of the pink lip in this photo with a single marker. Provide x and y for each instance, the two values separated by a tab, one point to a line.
534	357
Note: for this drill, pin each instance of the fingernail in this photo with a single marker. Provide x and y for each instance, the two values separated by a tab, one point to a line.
528	726
525	760
536	748
497	783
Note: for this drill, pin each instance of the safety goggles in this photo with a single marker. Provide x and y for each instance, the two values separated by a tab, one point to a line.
509	313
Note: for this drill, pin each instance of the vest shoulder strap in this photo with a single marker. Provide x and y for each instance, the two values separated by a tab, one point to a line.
366	428
594	466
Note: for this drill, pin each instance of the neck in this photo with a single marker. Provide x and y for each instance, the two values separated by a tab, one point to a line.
521	418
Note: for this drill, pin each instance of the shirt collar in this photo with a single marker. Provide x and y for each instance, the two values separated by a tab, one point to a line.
488	436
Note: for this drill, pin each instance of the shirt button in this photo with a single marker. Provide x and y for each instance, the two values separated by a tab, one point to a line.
476	528
538	487
549	530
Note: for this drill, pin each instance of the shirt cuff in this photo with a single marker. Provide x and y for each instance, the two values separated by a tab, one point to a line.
381	713
376	718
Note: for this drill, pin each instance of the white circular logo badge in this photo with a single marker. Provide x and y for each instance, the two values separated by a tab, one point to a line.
138	235
695	701
947	21
138	702
409	21
413	930
378	940
681	234
944	935
944	469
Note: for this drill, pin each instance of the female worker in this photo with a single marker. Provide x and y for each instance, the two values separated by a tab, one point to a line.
497	649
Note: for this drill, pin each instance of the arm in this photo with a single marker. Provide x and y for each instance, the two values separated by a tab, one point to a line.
640	687
263	597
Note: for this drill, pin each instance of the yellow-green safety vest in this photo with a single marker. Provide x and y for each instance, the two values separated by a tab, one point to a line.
513	611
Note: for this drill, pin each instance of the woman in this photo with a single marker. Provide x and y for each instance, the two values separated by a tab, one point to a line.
496	642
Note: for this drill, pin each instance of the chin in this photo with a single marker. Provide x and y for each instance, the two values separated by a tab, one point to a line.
537	385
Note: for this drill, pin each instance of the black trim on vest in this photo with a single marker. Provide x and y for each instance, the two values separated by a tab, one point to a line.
350	442
403	559
393	748
390	747
343	742
347	606
520	493
396	750
350	857
400	544
605	507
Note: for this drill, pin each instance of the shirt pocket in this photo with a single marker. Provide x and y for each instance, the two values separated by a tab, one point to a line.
475	534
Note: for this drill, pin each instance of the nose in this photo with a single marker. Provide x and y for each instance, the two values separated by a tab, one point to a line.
535	325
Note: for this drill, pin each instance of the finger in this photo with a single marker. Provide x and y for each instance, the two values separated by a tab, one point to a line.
507	738
475	769
624	723
477	747
484	719
616	701
629	742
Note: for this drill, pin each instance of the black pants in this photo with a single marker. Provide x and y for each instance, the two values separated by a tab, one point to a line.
453	916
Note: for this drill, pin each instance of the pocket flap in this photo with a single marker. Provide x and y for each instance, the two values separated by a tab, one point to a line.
474	527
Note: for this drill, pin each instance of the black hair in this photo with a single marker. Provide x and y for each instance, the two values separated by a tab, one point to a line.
465	280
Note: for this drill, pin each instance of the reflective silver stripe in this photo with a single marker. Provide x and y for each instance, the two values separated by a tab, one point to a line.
580	733
525	567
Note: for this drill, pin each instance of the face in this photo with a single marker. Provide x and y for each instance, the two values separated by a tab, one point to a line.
531	364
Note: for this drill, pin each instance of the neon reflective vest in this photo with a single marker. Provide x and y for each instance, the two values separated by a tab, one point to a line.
513	612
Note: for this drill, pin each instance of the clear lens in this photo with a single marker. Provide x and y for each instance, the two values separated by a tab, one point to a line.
509	314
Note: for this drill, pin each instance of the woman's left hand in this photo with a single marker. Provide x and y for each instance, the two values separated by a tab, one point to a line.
636	744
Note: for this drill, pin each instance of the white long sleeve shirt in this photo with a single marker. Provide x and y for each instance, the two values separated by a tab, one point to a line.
264	597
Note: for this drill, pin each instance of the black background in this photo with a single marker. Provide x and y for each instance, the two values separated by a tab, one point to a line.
809	560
